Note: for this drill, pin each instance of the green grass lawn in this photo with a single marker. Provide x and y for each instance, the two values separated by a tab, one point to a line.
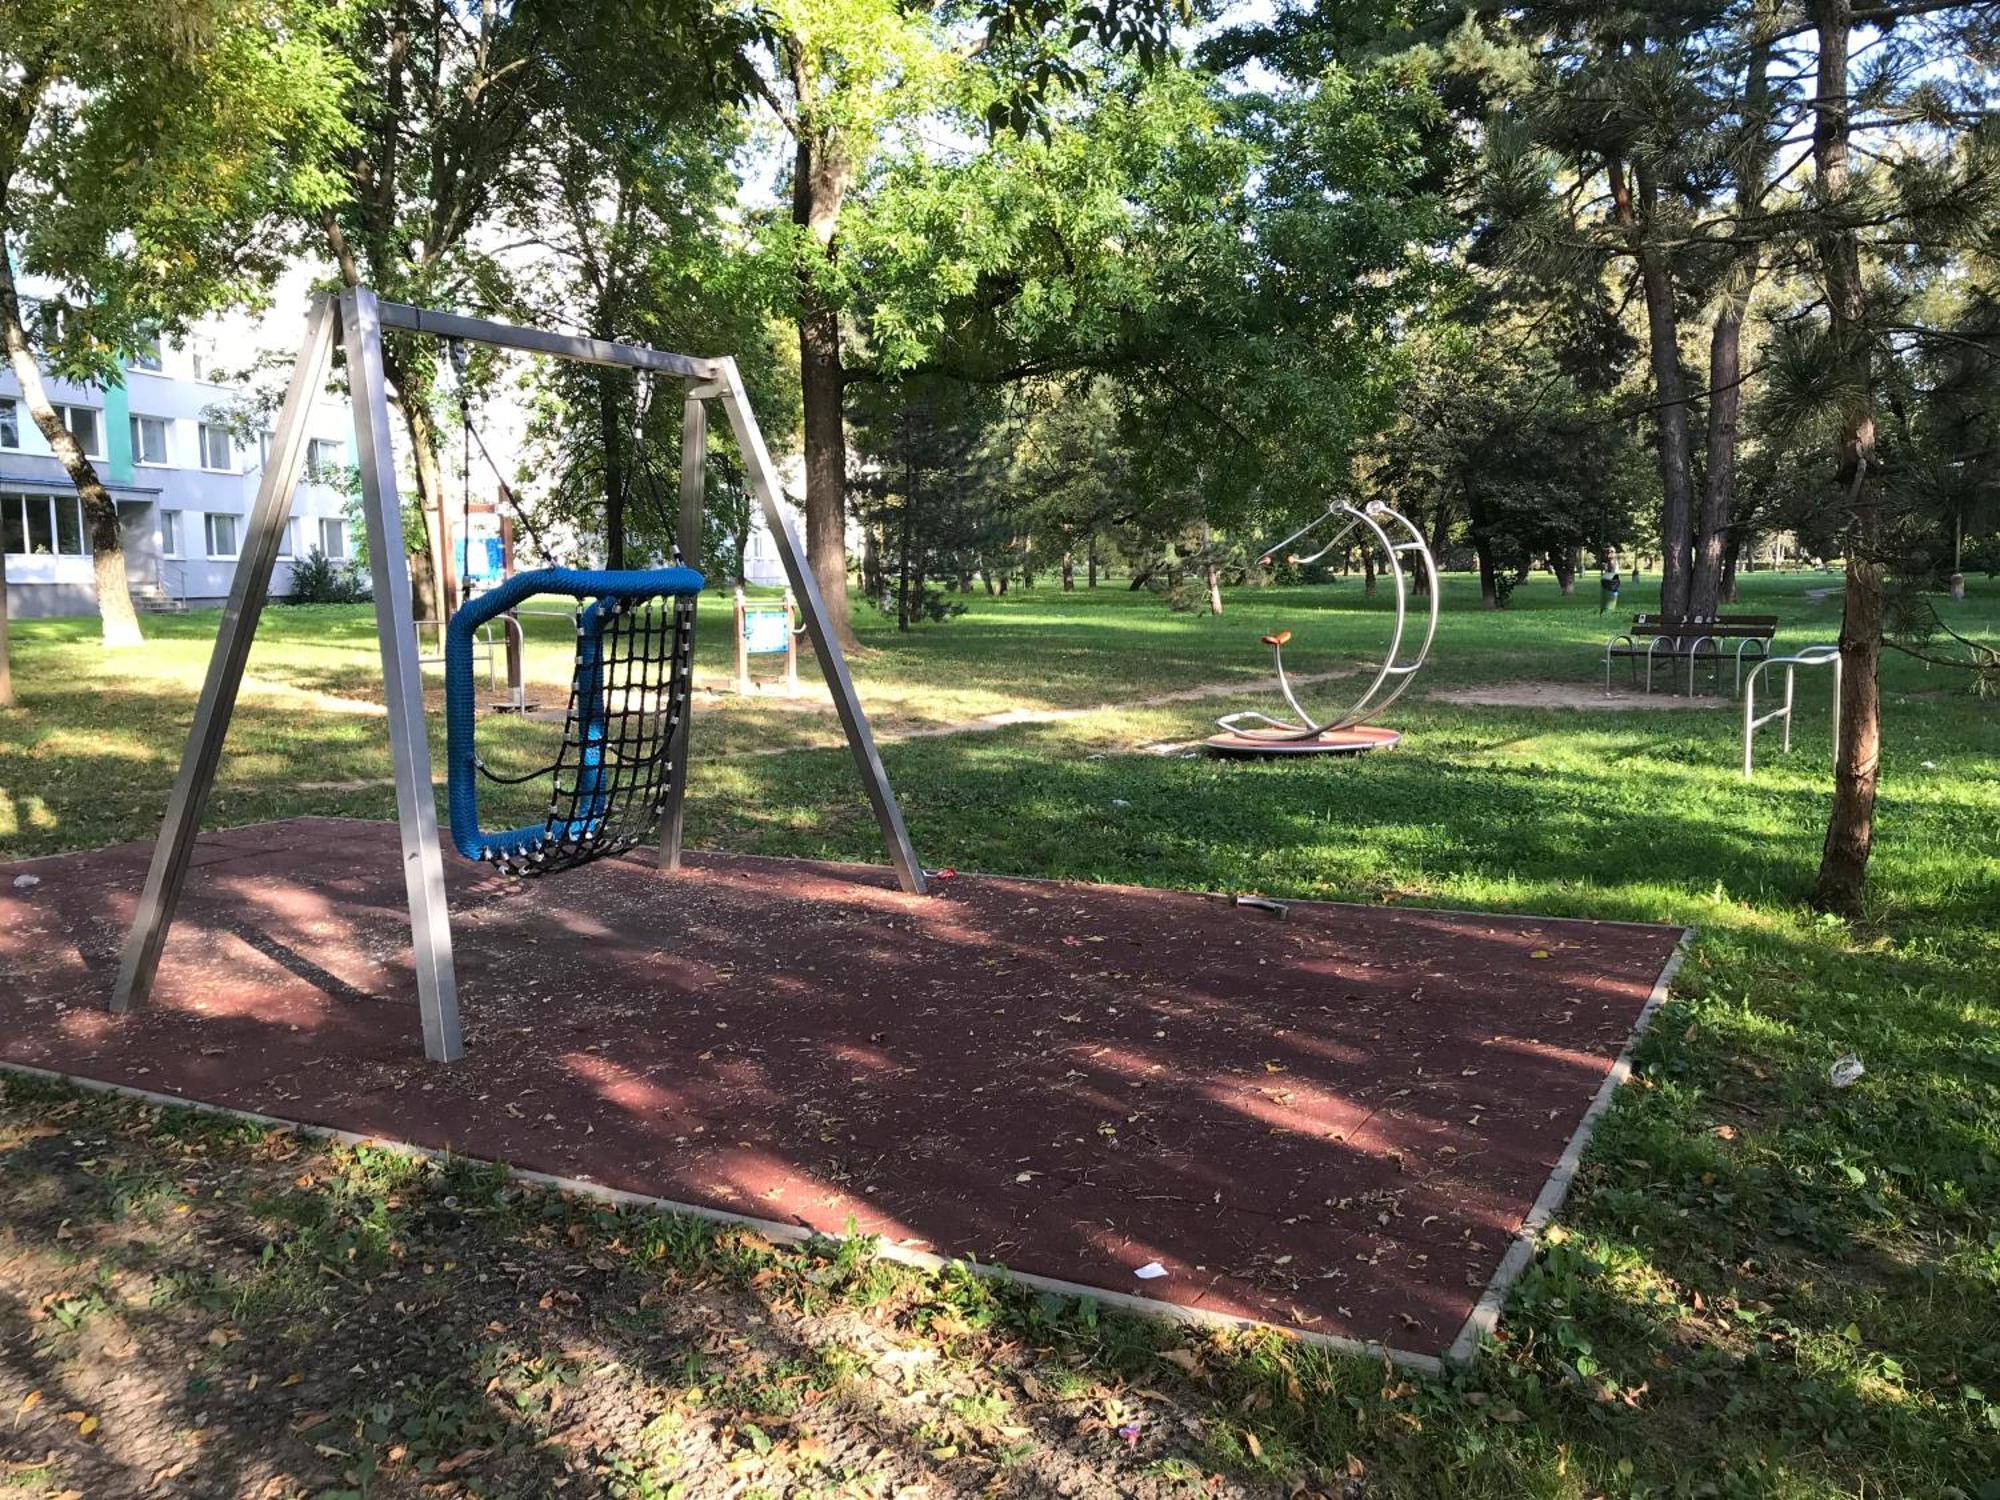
1761	1285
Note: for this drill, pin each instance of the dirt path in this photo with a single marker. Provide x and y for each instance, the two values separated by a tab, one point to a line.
1587	696
985	723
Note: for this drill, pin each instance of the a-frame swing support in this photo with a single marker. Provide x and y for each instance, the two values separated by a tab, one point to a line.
358	319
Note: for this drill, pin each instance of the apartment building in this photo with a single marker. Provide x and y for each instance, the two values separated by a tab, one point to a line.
183	485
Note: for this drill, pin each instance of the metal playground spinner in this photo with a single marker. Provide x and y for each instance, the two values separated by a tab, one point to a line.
1349	731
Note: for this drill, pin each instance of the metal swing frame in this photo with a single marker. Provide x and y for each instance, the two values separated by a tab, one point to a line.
357	320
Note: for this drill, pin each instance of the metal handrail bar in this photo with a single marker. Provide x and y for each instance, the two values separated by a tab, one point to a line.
1811	656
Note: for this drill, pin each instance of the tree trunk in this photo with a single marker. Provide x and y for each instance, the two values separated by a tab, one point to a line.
434	585
1843	867
821	386
1706	589
1676	454
1489	578
909	574
611	432
1440	530
1368	572
820	178
1732	551
118	622
1093	563
1069	572
1210	577
1563	564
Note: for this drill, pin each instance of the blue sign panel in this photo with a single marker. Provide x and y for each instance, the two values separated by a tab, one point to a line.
766	631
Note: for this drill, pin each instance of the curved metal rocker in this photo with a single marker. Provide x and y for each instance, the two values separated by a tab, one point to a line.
1347	732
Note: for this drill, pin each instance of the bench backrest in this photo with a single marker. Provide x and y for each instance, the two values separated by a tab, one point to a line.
1731	627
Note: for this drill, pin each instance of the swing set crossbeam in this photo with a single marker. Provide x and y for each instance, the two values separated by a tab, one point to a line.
403	318
357	321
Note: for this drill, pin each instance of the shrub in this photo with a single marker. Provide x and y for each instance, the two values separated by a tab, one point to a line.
318	579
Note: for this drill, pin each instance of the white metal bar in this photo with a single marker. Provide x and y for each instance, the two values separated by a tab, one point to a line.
1693	652
248	592
1812	656
763	480
402	679
1630	647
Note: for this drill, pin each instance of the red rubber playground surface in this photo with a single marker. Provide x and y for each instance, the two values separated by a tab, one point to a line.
1336	1121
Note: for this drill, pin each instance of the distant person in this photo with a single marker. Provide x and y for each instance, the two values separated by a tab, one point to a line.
1607	583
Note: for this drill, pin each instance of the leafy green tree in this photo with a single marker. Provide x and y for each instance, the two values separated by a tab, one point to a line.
1875	233
932	490
461	110
150	156
847	81
1224	266
1492	432
627	192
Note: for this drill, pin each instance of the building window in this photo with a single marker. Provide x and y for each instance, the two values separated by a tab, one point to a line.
43	526
149	440
324	458
10	422
333	538
147	355
288	540
221	529
264	448
170	533
84	427
217	451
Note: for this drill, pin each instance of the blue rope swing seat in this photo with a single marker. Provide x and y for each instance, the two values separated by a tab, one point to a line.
612	780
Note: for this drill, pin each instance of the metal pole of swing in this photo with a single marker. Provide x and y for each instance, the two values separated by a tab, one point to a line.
763	478
402	679
694	475
742	617
249	590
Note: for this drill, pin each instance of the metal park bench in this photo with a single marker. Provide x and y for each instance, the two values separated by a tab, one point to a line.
1680	638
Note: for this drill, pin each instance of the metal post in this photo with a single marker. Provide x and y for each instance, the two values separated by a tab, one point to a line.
248	591
6	672
860	739
791	648
694	477
1749	721
742	617
402	679
517	686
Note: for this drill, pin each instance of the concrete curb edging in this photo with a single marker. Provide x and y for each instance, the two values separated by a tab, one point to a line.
1428	1364
1485	1315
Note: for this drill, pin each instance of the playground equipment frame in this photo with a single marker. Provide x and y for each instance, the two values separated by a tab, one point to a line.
1373	515
358	320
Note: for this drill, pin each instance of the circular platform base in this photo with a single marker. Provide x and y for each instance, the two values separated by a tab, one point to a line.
1334	742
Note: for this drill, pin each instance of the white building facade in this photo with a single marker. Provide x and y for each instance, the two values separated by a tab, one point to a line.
183	484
